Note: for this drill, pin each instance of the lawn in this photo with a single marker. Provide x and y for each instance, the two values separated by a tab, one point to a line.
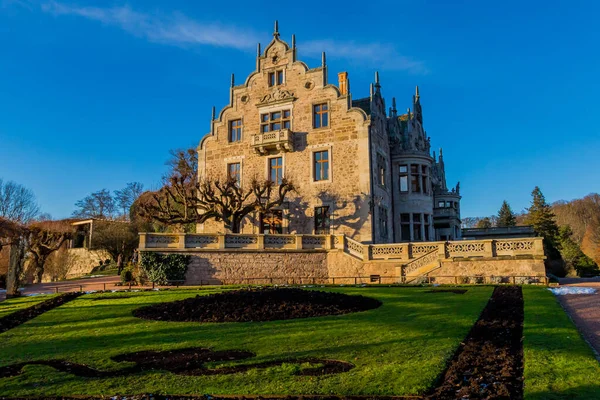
399	348
559	364
11	305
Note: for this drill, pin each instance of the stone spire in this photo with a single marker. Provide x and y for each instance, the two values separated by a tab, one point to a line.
276	30
258	55
394	111
377	84
417	106
293	48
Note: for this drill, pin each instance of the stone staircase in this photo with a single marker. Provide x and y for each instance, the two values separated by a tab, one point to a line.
420	267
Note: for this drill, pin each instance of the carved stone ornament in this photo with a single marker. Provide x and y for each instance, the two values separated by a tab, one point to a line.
277	95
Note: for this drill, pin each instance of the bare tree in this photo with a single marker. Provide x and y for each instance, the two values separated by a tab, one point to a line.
17	203
183	200
13	236
44	238
99	204
125	197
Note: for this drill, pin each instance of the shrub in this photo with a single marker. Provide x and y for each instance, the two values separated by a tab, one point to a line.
162	268
126	276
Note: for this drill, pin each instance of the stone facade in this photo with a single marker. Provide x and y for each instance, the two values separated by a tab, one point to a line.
360	170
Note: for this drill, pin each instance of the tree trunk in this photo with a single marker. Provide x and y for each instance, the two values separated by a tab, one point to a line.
15	266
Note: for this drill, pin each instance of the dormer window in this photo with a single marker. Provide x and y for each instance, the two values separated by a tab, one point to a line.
275	121
275	78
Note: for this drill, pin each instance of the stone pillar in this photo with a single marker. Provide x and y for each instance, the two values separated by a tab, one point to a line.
488	248
142	244
298	242
260	243
181	242
221	241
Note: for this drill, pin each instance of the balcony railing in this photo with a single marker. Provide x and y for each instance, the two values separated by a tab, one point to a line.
531	246
281	140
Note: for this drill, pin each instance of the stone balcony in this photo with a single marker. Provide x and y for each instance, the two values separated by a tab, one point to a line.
281	140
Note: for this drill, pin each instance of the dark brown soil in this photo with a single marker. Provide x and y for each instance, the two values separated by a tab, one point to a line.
267	304
489	363
188	361
20	317
109	297
456	291
216	397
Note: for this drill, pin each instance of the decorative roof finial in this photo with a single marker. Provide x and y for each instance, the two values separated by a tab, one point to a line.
441	154
394	104
417	91
232	80
408	112
276	31
323	60
258	52
293	41
371	90
376	78
213	113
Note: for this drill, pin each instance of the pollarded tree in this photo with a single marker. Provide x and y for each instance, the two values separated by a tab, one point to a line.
506	217
44	238
13	235
184	201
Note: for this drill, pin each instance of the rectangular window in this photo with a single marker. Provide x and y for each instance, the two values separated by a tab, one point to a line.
415	179
235	130
275	78
276	170
427	237
424	179
321	165
417	227
403	178
441	204
405	227
271	223
275	121
234	172
383	222
320	116
381	169
322	220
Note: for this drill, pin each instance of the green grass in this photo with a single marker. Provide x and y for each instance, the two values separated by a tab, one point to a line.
559	364
399	348
11	305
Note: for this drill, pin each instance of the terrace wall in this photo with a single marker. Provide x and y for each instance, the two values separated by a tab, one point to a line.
246	258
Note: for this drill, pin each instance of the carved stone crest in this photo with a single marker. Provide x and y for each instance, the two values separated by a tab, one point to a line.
277	95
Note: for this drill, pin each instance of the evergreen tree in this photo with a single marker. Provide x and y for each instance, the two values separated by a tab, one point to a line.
541	217
506	217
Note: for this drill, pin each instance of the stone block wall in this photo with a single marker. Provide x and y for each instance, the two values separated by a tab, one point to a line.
217	267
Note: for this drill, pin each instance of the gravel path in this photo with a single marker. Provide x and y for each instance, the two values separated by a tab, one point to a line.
584	309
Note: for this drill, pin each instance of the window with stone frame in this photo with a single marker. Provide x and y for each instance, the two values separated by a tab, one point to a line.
271	223
275	78
320	116
235	130
321	165
381	170
405	227
275	121
383	222
417	227
234	172
415	179
276	170
403	169
427	224
322	220
425	179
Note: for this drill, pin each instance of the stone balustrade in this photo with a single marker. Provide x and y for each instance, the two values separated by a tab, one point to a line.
394	251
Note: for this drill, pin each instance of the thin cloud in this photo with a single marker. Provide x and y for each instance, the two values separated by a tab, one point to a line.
380	55
175	29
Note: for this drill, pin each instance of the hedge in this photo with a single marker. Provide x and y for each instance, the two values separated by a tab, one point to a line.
162	268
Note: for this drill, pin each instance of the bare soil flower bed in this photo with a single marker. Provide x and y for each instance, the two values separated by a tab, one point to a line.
267	304
20	317
489	363
188	361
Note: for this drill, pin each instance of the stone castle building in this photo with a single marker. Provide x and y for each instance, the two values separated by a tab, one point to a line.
360	169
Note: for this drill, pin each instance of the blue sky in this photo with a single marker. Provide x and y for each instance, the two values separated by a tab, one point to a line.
93	94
